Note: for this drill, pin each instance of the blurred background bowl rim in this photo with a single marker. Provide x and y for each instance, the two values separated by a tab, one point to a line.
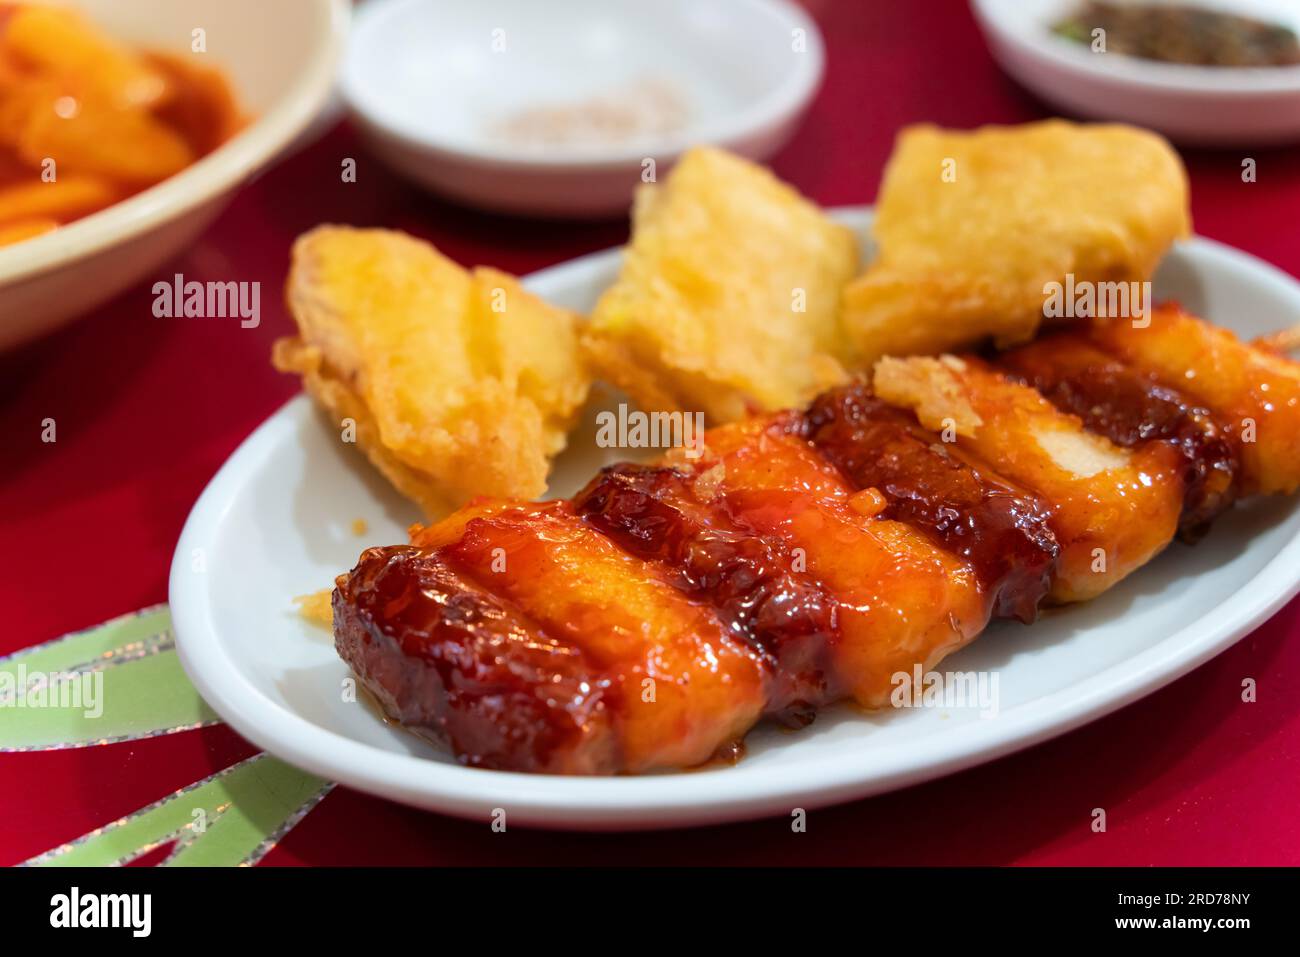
218	173
765	113
1223	82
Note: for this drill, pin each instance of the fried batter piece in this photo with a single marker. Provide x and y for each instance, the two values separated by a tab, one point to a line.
971	227
459	383
728	298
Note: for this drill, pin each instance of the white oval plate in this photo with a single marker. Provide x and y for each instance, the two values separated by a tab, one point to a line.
276	522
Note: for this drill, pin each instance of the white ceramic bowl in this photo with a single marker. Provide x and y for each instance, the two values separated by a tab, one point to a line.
277	521
280	56
430	82
1199	105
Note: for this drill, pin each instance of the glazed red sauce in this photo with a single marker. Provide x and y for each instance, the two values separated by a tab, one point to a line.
1002	531
449	658
748	579
428	644
1129	408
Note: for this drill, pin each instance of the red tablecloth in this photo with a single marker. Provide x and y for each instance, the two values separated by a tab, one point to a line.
147	409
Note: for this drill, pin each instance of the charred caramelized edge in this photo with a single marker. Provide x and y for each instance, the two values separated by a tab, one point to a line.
458	664
1130	408
1002	530
747	579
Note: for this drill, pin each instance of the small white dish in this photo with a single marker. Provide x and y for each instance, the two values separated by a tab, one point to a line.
1197	105
276	523
280	58
481	101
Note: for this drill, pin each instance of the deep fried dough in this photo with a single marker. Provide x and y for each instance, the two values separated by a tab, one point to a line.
973	225
459	383
728	298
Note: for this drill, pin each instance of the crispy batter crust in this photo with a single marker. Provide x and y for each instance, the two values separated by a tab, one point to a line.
971	227
932	389
344	405
728	298
459	383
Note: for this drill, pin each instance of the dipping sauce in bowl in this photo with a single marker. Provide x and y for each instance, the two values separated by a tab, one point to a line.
1183	34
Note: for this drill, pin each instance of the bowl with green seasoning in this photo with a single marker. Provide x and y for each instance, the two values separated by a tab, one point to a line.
1203	72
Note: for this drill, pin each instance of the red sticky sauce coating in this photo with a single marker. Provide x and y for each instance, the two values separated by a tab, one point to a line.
748	579
457	664
1129	408
1003	531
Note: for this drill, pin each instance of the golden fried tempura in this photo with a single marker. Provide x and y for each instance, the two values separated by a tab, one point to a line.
316	607
971	227
460	383
728	297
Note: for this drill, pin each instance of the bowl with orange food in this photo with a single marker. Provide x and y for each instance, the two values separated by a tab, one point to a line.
126	127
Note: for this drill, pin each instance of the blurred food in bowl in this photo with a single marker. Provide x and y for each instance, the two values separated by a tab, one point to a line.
279	56
650	106
1205	73
1183	34
86	121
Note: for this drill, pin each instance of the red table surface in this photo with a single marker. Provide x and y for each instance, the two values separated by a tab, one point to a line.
148	409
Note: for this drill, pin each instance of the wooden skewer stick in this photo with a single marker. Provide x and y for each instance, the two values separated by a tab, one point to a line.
1288	340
